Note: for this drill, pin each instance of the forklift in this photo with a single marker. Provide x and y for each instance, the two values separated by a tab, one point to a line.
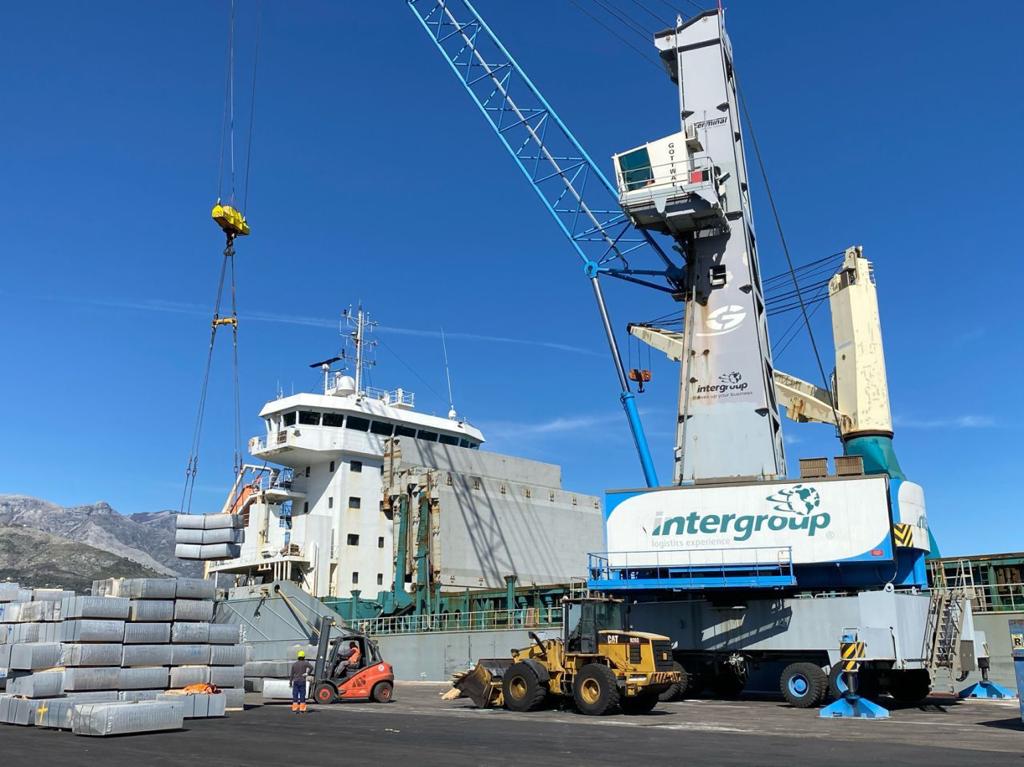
369	679
597	663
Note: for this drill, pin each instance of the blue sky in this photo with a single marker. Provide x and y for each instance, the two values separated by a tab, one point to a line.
375	179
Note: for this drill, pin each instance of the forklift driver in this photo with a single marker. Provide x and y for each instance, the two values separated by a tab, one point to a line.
349	659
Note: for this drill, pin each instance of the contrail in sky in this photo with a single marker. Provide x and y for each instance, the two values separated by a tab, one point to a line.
174	307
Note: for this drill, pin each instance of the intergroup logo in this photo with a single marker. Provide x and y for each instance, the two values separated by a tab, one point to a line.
797	508
724	319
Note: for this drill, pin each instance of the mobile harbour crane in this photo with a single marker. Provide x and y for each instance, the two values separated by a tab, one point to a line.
773	592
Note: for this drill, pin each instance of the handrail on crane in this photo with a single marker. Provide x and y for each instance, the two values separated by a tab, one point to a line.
557	167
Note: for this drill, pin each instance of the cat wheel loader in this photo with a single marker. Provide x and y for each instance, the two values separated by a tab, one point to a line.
596	662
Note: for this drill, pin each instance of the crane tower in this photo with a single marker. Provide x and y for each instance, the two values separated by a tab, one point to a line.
692	186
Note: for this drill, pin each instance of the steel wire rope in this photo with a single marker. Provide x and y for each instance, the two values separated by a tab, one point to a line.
627	21
613	32
252	105
651	13
785	246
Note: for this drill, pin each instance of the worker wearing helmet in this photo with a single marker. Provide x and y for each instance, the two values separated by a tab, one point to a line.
301	668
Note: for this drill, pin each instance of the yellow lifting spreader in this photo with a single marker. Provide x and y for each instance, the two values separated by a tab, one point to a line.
230	220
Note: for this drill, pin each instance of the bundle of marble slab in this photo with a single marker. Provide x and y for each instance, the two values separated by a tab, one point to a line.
209	537
132	640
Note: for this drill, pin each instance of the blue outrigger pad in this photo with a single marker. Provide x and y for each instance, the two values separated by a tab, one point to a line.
854	706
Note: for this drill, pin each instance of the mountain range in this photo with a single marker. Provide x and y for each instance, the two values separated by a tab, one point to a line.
42	543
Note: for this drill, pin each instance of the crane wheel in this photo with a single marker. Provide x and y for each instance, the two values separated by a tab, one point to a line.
522	688
382	692
803	685
595	690
643	703
910	686
325	693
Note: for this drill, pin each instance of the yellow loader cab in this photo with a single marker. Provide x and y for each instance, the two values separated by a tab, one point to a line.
597	662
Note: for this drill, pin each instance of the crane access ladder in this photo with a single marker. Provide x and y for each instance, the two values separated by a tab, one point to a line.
951	595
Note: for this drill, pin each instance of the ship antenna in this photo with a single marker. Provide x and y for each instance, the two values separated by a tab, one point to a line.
448	377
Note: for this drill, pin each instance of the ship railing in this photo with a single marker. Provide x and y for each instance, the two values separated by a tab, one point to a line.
688	173
997	597
399	396
521	618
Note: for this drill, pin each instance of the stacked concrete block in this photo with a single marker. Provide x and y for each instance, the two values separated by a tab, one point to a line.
92	630
209	536
112	608
15	710
190	632
102	719
193	610
225	633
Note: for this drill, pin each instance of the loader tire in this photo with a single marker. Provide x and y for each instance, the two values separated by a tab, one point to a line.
678	690
595	690
643	703
803	685
522	689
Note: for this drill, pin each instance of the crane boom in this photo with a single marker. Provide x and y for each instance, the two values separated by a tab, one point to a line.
580	198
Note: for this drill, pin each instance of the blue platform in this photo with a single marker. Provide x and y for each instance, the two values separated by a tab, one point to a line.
774	571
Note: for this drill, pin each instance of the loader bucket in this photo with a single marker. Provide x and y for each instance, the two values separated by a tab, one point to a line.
482	685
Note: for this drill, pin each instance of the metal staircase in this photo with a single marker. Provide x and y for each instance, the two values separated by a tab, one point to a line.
951	594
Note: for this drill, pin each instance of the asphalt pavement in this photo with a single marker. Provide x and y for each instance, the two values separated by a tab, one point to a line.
420	729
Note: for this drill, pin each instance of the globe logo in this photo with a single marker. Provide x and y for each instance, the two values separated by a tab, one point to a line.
801	500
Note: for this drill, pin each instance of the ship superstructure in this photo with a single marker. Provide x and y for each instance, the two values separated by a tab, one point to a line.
322	514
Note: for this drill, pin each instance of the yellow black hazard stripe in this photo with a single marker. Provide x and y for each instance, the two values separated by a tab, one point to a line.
904	535
851	653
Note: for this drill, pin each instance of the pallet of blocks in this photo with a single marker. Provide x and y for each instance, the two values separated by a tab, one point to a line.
208	537
132	642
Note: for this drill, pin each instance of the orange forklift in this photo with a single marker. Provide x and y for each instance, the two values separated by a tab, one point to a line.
367	679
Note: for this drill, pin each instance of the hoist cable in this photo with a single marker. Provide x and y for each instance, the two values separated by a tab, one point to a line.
785	249
252	106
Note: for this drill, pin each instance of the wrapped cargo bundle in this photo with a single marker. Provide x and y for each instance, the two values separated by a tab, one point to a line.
194	610
25	632
234	697
147	633
46	684
101	719
144	678
273	669
31	612
135	588
90	655
190	655
56	714
34	656
134	696
50	595
93	630
114	608
227	676
228	655
210	537
93	678
17	710
225	633
145	655
12	592
183	676
151	610
195	588
197	705
185	632
207	553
